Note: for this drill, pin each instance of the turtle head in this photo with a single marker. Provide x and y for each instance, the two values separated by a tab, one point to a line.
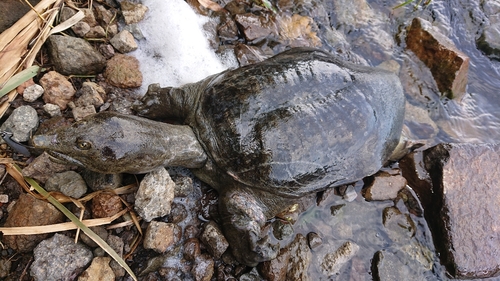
108	143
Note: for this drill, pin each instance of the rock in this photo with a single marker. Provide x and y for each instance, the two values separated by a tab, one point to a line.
116	243
74	56
58	90
99	230
59	258
97	181
214	240
132	12
42	168
183	186
29	211
489	41
160	236
22	122
448	65
333	262
423	127
400	227
89	17
275	269
97	32
99	270
256	28
105	205
314	240
203	268
155	195
388	267
298	31
124	42
107	51
227	30
459	190
104	16
123	71
248	54
5	265
135	30
90	94
81	28
191	249
383	186
70	183
282	230
80	112
300	258
32	93
177	214
52	109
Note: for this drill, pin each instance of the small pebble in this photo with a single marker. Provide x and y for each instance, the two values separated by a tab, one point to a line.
32	93
70	183
52	109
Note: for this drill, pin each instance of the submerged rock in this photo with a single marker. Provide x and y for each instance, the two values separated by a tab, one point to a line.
333	262
448	65
459	189
383	186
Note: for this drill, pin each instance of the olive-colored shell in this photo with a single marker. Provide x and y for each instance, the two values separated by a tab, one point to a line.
299	122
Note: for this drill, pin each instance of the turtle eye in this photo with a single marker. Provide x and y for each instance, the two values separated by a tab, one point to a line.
83	145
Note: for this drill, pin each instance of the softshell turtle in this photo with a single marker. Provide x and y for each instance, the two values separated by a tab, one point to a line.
262	135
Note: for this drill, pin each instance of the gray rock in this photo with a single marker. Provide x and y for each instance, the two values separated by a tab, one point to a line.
59	258
80	112
32	93
400	227
99	230
388	267
253	275
97	181
459	189
214	240
256	27
155	195
124	42
22	122
107	51
333	262
384	187
300	258
132	12
81	28
70	183
489	42
160	236
183	186
73	55
52	109
203	268
135	30
42	168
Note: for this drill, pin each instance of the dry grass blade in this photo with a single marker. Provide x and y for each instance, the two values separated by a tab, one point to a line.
40	229
68	23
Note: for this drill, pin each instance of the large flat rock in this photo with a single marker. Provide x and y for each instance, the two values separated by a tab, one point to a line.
459	185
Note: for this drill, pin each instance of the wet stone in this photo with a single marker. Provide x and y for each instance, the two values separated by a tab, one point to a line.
58	90
282	230
333	262
256	28
448	65
22	122
29	211
383	186
155	195
248	54
388	267
191	249
74	56
106	204
275	269
69	183
300	258
298	31
399	226
203	268
99	269
160	236
32	93
123	71
466	186
214	240
59	258
42	168
314	240
124	42
183	186
178	213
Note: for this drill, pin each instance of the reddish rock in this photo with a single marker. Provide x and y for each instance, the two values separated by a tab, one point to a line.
383	186
29	211
106	204
448	65
192	249
275	270
214	240
459	186
123	71
58	90
160	236
256	28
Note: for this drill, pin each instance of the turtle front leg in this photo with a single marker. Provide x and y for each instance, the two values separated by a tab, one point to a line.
244	227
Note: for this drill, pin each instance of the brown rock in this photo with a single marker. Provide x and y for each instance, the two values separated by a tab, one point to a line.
160	236
383	186
99	270
124	42
123	71
203	268
299	31
29	211
214	240
448	65
275	270
192	249
132	12
300	258
58	90
459	189
106	204
256	28
91	94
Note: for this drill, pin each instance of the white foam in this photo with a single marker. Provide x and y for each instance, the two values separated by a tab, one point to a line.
175	50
